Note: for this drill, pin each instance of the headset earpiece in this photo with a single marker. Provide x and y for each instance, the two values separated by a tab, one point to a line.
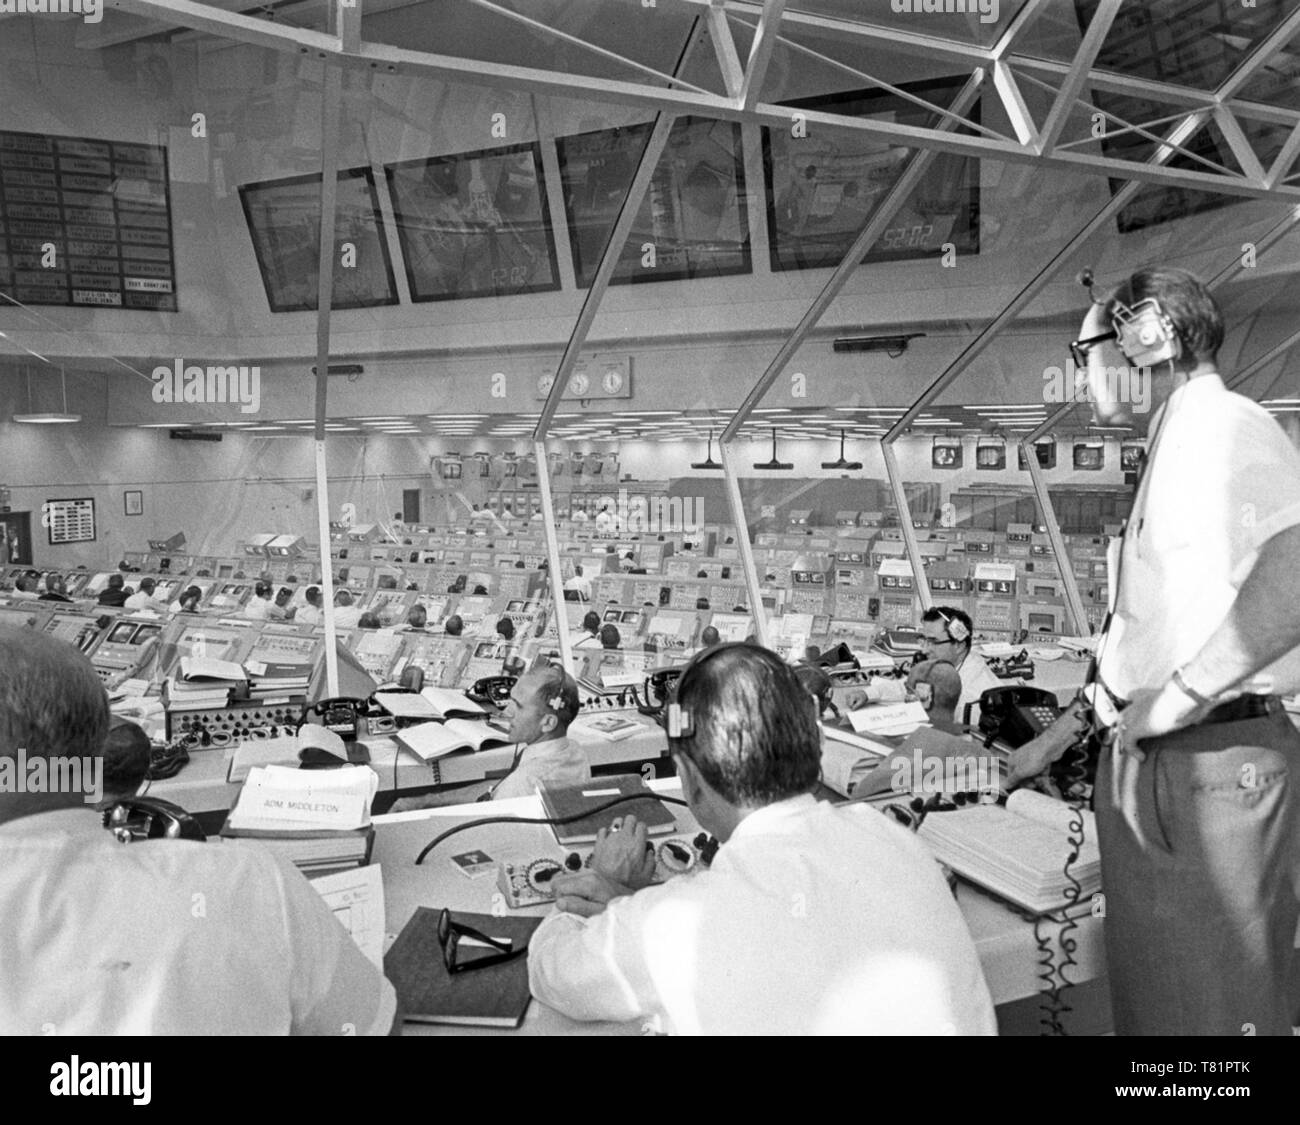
1147	335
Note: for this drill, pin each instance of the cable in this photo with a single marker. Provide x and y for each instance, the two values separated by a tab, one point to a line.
419	859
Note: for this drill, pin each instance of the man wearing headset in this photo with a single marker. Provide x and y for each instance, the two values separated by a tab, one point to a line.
946	635
160	937
811	919
1197	815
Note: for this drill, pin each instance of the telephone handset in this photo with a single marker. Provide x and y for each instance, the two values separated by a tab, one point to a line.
492	689
1016	714
339	714
151	818
656	687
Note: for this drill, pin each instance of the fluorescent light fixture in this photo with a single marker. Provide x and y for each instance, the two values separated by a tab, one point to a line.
51	418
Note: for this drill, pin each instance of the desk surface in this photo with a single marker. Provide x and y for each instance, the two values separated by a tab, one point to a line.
1004	939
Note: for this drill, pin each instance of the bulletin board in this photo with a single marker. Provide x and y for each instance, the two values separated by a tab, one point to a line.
69	521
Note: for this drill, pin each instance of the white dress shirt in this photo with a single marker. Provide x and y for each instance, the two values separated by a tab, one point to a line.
307	614
141	600
557	761
812	919
976	678
346	616
170	937
1223	479
582	584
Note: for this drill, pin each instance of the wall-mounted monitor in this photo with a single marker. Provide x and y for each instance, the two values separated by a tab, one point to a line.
946	453
1045	451
1131	456
823	184
1090	457
284	221
991	455
693	221
474	224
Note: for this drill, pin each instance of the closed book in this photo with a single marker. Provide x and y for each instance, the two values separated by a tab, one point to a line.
572	803
497	996
313	851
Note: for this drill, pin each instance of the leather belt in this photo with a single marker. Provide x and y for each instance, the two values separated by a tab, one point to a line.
1244	707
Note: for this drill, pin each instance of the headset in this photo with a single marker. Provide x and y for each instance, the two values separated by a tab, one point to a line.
953	626
1146	333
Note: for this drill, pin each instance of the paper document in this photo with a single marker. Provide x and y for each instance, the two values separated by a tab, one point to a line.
357	899
889	718
276	798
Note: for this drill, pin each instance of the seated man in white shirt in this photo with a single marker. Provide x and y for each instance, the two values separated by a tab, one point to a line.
812	918
542	704
24	589
589	635
346	615
260	607
946	633
143	598
310	614
162	937
579	582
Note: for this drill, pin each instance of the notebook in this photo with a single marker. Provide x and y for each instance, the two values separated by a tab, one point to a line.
497	996
564	801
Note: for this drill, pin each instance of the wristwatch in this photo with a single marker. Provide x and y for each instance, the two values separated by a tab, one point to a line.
1182	685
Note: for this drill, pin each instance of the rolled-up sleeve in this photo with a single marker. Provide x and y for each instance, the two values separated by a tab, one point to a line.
595	968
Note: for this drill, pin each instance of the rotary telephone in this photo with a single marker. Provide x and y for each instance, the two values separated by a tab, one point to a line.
493	690
656	687
150	818
1015	715
341	714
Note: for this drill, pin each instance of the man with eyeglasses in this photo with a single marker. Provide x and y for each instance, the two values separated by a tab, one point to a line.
946	635
1198	820
811	918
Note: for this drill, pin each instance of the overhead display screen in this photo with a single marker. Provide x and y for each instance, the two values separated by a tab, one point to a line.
693	221
284	221
474	224
823	184
85	222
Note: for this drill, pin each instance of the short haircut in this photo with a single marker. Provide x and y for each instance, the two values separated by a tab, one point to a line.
262	589
591	621
610	636
946	615
24	583
127	758
506	628
418	617
369	621
1183	297
480	589
148	585
342	597
816	683
116	582
753	732
560	692
313	595
51	699
710	636
454	625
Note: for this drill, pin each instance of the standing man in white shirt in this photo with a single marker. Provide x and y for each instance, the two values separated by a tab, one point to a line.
811	919
579	582
162	937
1197	811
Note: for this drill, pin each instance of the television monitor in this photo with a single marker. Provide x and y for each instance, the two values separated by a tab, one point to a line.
1089	457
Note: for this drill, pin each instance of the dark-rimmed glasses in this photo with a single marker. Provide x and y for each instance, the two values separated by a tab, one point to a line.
449	934
1079	349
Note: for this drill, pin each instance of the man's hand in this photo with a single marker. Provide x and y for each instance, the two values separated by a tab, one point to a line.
586	893
623	855
1033	758
1155	711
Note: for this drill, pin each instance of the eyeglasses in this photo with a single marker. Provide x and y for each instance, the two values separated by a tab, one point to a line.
449	934
1079	349
934	642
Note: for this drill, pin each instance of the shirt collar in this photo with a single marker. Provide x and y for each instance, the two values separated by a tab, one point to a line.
81	821
770	819
1208	384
